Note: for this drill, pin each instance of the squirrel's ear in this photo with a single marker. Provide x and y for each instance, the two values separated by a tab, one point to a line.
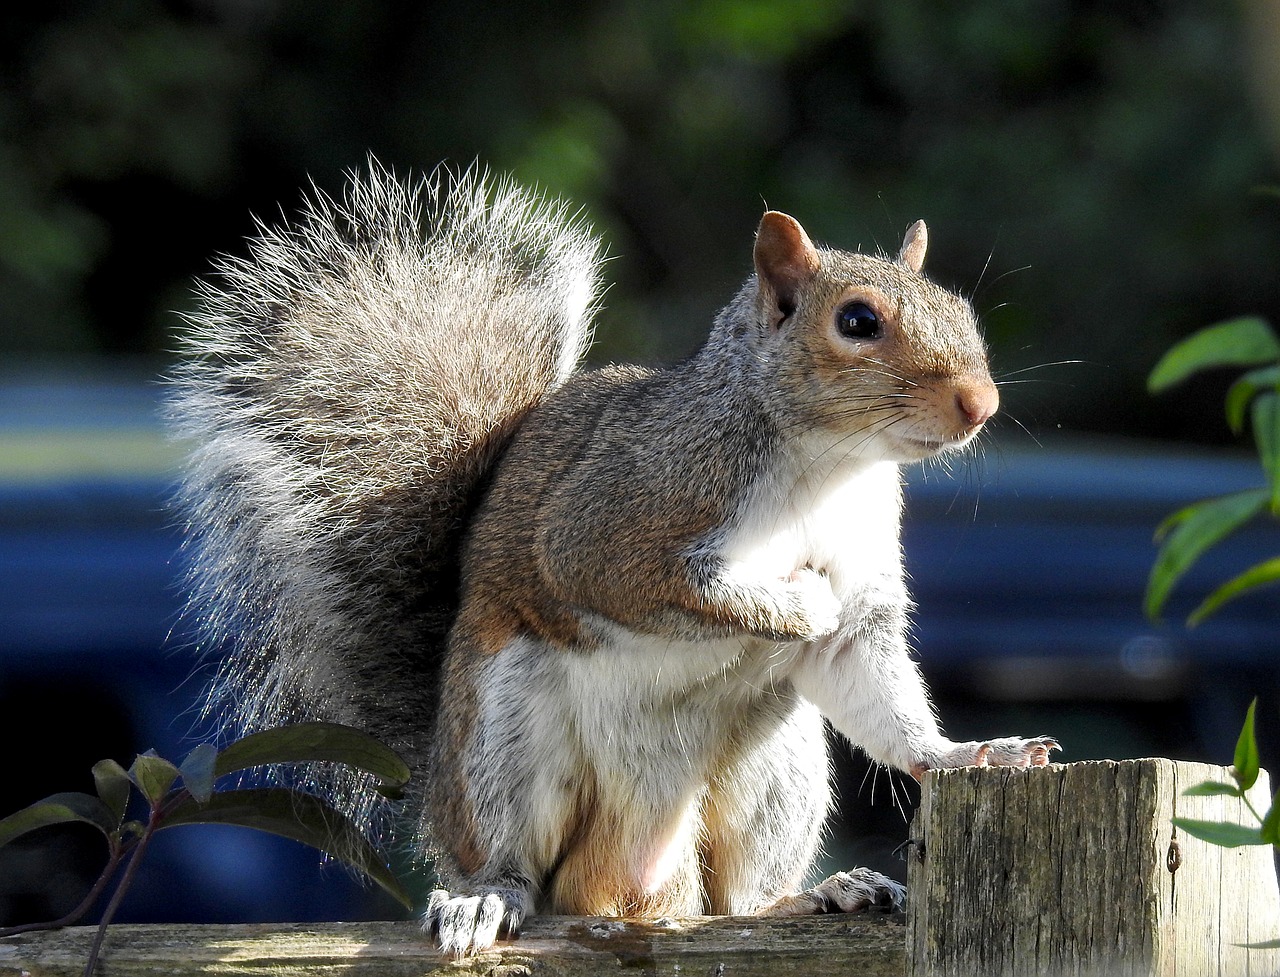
785	260
913	247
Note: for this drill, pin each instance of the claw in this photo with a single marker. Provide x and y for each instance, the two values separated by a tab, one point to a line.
1040	748
1009	751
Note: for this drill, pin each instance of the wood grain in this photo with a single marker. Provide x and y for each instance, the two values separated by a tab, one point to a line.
1077	869
870	944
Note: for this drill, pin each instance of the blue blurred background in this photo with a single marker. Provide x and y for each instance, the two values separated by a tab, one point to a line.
1094	175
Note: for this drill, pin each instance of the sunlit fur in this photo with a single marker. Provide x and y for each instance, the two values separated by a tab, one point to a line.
343	388
604	614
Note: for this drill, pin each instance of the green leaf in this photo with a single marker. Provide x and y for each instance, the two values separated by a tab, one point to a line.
1247	341
1264	945
1266	434
1245	389
197	771
1246	764
1212	788
113	785
59	809
153	775
305	742
1221	833
1271	823
295	815
1259	575
1189	532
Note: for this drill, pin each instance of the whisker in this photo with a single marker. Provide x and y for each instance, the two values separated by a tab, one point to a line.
982	274
1003	377
1025	429
1001	276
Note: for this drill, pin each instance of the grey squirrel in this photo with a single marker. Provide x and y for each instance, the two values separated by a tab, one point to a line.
602	613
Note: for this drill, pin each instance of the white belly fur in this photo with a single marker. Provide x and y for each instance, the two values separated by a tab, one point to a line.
641	723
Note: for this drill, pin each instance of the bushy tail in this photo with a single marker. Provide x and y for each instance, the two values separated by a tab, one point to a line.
344	390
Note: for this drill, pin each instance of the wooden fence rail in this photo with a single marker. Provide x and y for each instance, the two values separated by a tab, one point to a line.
550	945
1070	870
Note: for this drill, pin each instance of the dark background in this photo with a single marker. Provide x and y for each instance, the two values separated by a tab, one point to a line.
1096	175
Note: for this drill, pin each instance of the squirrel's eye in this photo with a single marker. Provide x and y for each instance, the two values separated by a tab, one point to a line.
857	320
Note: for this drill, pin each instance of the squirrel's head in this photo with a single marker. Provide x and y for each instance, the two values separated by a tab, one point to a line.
869	348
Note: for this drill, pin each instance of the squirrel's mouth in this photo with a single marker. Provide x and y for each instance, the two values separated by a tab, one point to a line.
934	445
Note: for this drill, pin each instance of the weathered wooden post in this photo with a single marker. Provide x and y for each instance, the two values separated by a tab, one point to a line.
1076	869
1068	870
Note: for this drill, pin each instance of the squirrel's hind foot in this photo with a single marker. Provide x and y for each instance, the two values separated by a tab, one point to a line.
466	924
844	892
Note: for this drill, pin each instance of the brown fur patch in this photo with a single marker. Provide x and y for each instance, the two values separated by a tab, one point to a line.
596	877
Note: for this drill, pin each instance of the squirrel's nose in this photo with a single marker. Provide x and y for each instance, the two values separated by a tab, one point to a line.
977	400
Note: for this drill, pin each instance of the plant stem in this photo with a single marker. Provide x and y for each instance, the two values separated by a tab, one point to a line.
85	904
1252	810
117	897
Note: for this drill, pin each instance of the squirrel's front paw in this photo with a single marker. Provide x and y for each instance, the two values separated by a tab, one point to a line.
1007	751
815	605
471	923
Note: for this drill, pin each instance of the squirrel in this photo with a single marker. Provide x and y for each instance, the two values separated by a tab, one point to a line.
602	613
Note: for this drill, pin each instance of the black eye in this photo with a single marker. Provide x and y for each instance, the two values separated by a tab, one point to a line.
857	320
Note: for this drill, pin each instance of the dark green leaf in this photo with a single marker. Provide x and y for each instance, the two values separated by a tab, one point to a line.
315	741
1221	833
1264	945
1245	389
1189	532
153	775
295	815
1266	434
1212	788
197	771
1266	572
1271	823
113	785
1239	342
1245	766
59	809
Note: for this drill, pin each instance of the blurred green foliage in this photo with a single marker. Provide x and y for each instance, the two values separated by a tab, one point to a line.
1085	167
1186	534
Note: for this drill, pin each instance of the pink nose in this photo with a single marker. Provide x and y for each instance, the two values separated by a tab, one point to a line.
977	400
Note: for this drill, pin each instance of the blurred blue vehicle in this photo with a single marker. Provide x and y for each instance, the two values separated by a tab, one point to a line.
1027	565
